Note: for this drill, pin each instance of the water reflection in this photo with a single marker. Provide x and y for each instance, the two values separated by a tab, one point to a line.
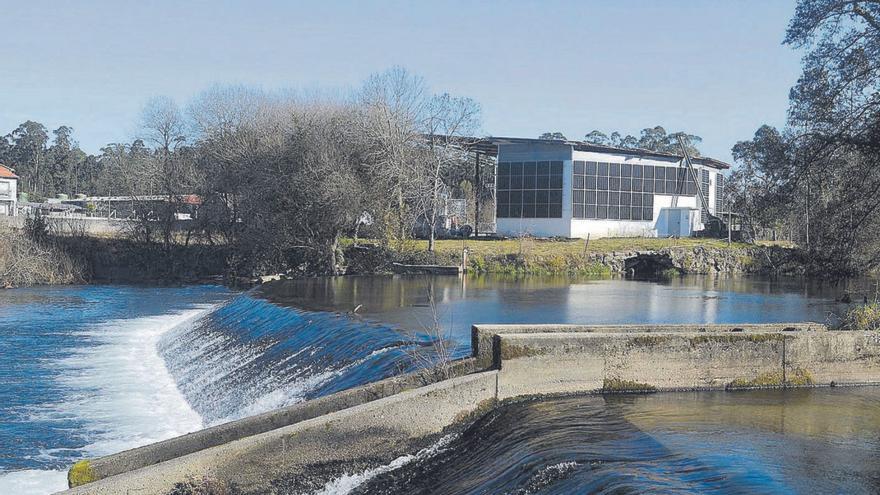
462	301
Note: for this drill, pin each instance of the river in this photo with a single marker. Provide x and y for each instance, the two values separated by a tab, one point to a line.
91	370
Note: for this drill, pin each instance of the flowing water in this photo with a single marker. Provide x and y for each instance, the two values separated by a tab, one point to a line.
771	441
88	371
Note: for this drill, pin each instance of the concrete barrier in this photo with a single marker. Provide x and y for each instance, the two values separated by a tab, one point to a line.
316	449
483	336
298	448
155	453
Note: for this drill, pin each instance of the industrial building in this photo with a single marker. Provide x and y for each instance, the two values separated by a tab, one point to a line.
548	188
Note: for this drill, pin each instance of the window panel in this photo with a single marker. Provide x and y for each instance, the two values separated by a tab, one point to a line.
555	182
626	170
543	197
602	198
502	211
647	200
660	173
602	212
555	197
555	211
504	168
528	196
638	171
578	211
614	212
516	197
591	168
647	214
602	183
542	211
659	186
579	167
590	197
577	197
516	182
636	213
670	186
648	172
626	184
637	184
503	182
590	211
516	210
528	169
625	198
502	197
542	182
614	170
528	211
625	213
590	182
528	182
637	199
516	168
578	182
647	186
603	169
613	198
543	168
556	168
614	184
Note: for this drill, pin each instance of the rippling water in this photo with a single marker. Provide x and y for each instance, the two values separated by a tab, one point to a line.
88	371
794	441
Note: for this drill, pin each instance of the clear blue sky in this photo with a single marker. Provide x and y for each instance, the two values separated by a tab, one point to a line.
713	68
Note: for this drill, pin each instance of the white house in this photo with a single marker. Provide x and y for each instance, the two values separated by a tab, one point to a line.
8	191
574	189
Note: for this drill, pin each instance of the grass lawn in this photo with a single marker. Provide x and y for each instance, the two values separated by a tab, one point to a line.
548	247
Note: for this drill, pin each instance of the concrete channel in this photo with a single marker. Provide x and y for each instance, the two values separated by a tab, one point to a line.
384	420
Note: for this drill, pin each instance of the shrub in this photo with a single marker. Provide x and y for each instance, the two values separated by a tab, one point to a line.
863	317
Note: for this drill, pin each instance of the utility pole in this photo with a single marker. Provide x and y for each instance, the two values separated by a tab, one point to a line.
477	191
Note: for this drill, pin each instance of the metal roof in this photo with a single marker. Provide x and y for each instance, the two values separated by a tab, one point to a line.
597	148
489	146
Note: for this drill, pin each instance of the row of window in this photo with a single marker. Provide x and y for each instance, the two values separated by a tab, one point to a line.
601	169
529	189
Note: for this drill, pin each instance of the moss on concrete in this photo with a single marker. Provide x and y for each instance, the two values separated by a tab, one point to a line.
619	385
730	338
513	351
81	473
798	377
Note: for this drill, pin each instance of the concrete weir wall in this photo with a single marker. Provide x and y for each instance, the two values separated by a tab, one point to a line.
324	438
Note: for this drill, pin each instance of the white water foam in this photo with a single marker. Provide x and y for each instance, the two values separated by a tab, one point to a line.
118	387
348	482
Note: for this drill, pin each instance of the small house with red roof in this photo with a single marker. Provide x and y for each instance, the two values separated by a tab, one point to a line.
8	191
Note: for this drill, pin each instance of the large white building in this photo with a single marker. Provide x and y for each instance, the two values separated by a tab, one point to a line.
573	189
8	192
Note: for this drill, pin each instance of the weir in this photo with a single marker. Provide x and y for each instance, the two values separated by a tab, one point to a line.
306	445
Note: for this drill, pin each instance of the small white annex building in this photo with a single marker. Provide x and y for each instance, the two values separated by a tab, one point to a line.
8	192
574	189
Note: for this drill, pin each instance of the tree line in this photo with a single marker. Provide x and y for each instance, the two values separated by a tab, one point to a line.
282	176
819	176
650	138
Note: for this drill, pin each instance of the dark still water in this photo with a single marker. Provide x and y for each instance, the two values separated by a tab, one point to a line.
91	370
795	441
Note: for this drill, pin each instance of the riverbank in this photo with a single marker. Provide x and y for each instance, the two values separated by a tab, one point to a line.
631	256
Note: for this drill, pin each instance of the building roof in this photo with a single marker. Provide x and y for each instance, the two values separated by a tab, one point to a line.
489	146
597	148
7	173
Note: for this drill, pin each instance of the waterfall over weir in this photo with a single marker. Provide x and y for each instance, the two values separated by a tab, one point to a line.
248	355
